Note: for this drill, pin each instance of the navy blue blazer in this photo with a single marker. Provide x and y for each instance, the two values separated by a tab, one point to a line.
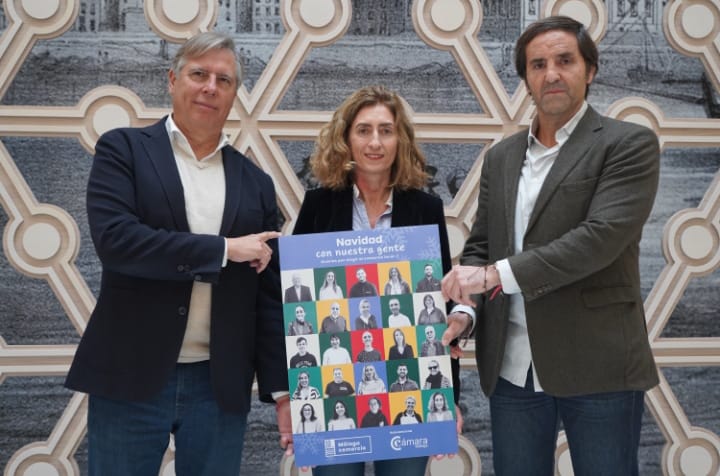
150	259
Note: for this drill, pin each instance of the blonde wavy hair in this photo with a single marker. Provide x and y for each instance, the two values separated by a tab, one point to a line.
332	163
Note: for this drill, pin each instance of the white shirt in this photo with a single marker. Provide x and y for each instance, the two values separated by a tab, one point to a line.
203	184
336	356
399	320
360	220
538	162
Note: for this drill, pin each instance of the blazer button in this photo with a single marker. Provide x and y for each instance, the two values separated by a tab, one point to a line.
182	310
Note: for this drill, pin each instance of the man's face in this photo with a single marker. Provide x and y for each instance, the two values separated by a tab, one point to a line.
557	76
394	306
203	92
433	367
367	338
296	280
302	347
300	314
337	375
410	403
374	405
360	274
335	309
402	371
365	308
428	271
430	334
335	342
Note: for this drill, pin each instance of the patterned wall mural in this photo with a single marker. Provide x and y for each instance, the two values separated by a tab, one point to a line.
71	69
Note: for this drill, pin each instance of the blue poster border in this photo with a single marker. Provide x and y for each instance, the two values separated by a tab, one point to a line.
309	254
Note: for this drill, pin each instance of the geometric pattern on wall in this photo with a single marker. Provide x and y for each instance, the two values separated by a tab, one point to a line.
41	240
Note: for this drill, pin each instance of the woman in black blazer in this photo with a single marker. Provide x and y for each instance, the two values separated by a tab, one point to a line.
371	172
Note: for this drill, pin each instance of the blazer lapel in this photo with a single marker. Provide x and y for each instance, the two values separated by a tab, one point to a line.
570	155
233	167
405	212
160	155
341	210
512	166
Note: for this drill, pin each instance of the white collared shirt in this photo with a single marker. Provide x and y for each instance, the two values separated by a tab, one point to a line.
538	162
203	182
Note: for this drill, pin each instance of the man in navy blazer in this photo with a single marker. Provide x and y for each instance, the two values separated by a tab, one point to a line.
298	292
189	310
560	334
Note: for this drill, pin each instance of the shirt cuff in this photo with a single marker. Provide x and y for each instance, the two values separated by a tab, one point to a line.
470	312
225	260
507	278
278	395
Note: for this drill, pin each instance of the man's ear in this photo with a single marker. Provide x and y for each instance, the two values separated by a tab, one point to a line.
171	80
591	75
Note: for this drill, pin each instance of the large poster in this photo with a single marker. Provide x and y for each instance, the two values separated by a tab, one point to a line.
369	378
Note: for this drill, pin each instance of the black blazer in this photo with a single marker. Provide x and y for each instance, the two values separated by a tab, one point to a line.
325	210
150	259
291	294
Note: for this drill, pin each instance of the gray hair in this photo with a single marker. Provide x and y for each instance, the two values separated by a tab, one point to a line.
200	44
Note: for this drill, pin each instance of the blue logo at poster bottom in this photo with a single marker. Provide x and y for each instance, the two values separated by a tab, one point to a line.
398	443
372	444
348	446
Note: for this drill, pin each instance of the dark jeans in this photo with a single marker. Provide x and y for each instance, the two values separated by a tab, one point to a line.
603	431
130	438
390	467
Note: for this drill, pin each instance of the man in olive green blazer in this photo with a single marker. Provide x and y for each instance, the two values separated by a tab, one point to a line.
560	333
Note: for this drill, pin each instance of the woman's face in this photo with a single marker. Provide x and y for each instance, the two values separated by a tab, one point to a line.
373	141
330	278
393	273
340	409
307	412
439	402
429	301
369	372
300	314
399	337
304	379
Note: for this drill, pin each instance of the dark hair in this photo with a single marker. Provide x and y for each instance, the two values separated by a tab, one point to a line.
312	417
335	414
586	45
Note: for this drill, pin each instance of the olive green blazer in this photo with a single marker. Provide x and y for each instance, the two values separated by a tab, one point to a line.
578	271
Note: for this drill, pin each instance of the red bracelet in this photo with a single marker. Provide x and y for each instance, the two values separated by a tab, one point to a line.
497	289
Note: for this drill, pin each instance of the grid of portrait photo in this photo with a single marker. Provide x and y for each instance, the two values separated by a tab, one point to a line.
363	346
